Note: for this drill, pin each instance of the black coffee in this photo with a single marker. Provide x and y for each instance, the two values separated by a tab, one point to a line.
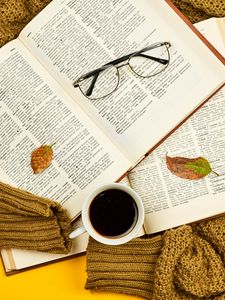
113	212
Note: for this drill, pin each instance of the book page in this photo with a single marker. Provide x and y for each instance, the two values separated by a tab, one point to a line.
213	29
35	111
71	38
126	181
169	200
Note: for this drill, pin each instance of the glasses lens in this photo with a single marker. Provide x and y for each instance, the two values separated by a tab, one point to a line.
100	84
150	62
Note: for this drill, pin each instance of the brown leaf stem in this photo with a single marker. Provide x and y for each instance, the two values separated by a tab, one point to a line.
215	173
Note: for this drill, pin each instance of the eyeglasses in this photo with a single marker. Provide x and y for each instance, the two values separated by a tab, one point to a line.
145	63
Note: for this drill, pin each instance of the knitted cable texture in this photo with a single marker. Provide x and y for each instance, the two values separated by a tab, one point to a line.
198	10
15	14
186	263
214	232
189	266
127	268
31	222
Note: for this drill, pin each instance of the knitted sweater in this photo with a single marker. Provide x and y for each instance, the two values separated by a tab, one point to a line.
31	222
186	263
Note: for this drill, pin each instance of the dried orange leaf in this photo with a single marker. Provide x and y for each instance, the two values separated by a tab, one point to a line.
41	158
188	168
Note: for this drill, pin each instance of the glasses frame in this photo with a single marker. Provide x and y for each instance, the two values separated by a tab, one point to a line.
114	64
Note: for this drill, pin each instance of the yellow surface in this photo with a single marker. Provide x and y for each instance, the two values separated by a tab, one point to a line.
63	280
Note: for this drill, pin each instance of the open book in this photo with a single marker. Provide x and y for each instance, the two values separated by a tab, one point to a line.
96	141
171	201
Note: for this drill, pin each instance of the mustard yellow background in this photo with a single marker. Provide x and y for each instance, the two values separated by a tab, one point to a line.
63	280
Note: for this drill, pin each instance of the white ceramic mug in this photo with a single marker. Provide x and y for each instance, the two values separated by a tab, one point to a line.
114	240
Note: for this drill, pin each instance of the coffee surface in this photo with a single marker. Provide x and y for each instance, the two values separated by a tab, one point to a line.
113	212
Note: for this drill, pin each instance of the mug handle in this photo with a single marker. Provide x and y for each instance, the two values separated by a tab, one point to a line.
78	231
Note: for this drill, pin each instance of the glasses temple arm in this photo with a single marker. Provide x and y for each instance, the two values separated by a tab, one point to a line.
160	60
91	87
